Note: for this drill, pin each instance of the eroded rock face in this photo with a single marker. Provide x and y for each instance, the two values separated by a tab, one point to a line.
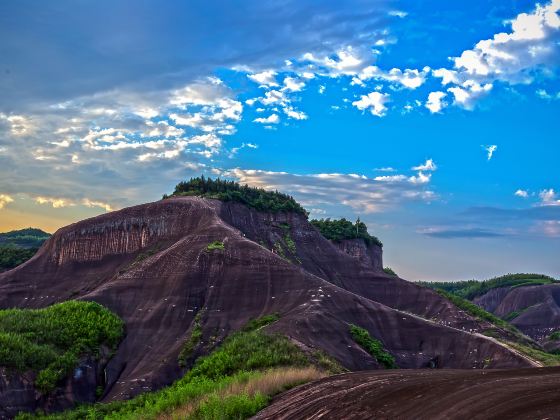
371	255
151	266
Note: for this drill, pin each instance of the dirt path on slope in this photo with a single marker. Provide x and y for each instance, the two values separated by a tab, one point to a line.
425	394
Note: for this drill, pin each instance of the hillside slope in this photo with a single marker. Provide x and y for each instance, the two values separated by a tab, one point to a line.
152	266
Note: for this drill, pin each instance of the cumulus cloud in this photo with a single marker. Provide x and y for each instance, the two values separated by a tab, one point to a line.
57	203
511	57
358	192
374	101
409	78
435	102
292	113
490	149
429	165
265	79
521	193
4	200
271	119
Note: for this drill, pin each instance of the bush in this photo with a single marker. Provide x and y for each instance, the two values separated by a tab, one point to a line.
50	341
191	342
373	347
243	357
216	245
256	198
11	256
338	230
389	270
555	335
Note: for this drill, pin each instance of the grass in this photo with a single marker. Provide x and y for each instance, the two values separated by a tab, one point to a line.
51	341
555	335
373	347
547	359
234	382
216	245
194	339
478	312
246	395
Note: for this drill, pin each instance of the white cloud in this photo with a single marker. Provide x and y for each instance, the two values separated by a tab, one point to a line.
522	193
292	113
549	197
293	85
398	13
429	165
358	192
375	101
271	119
435	102
19	125
266	78
386	169
490	149
543	94
514	57
4	200
409	78
322	89
54	202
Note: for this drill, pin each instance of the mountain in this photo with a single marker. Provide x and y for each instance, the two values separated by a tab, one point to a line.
530	302
186	265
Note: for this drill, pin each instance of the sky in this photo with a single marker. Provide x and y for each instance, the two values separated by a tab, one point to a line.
435	122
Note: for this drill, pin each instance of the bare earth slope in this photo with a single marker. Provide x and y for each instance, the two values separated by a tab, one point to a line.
424	394
150	265
535	309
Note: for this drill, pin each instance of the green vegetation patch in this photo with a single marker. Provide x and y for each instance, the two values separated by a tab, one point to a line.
223	190
244	356
389	270
263	321
194	339
50	341
472	288
338	230
24	238
11	256
547	359
216	245
373	347
555	335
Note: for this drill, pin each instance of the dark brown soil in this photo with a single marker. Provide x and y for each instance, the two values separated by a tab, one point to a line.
425	394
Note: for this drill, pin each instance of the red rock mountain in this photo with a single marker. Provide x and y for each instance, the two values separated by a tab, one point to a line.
150	265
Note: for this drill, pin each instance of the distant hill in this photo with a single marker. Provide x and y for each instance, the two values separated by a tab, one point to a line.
18	246
470	289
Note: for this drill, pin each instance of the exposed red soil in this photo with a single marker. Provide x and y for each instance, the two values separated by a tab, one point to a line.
424	394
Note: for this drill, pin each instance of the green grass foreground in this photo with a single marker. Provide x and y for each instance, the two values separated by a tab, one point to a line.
50	341
234	382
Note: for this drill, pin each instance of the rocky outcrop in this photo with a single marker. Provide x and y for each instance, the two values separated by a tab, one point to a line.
151	266
17	392
371	255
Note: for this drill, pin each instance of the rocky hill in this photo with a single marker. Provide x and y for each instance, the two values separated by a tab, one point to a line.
182	264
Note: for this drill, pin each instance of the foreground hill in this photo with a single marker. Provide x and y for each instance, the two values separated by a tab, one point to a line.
433	395
530	302
185	272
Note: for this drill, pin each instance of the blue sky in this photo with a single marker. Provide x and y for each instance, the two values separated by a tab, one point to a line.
434	122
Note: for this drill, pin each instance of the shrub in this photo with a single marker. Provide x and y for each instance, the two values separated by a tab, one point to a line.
50	341
263	321
243	363
11	256
555	335
389	270
256	198
216	245
191	342
338	230
373	347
